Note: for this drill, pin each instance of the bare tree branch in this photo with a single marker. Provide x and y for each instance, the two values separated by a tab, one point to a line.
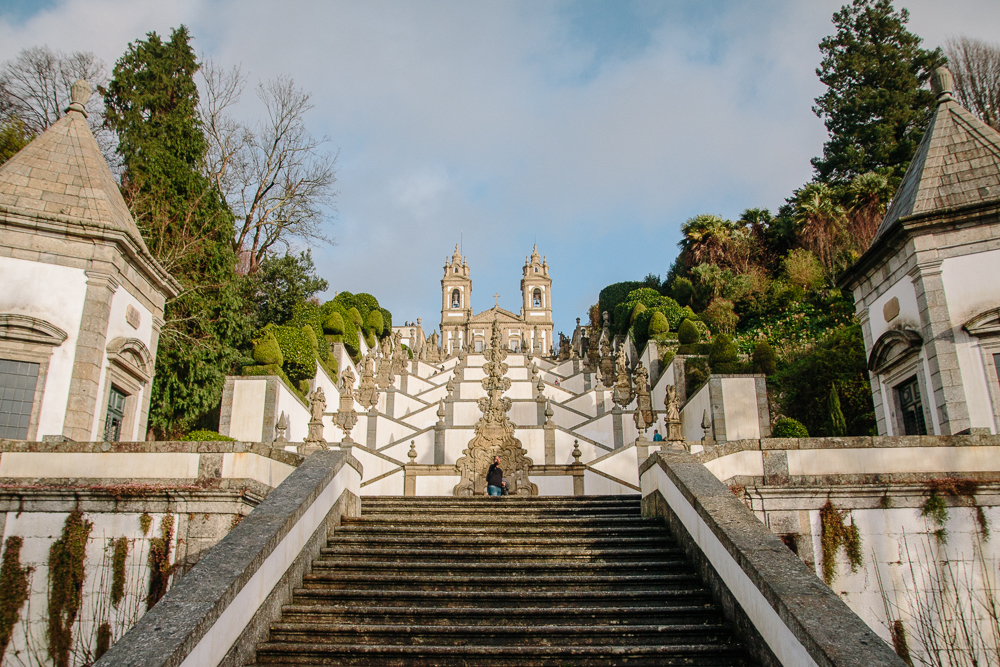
975	66
35	88
275	175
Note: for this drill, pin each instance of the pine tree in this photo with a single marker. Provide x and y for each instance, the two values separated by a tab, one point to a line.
875	107
151	104
838	425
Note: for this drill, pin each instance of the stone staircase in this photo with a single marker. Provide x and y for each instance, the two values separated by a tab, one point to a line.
511	581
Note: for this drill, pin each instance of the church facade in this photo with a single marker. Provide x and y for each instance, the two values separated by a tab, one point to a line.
531	330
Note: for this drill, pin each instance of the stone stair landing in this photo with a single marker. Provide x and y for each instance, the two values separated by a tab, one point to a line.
511	581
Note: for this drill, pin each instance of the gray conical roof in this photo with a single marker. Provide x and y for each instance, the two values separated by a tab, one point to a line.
62	174
957	163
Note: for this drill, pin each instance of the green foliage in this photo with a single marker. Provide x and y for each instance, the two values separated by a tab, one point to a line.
151	104
614	294
67	573
355	316
803	269
280	284
701	349
936	508
310	335
721	317
334	324
375	322
14	136
658	324
682	289
298	351
120	553
802	386
723	351
696	371
160	568
387	322
688	333
786	427
370	340
636	311
269	369
14	589
875	107
349	337
266	350
204	435
145	522
763	358
834	535
838	425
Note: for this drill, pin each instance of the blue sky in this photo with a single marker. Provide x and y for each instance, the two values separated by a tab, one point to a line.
593	128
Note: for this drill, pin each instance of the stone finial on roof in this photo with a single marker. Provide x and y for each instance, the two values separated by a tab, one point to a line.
942	84
79	94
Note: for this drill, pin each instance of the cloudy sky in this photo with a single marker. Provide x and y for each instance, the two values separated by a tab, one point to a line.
593	128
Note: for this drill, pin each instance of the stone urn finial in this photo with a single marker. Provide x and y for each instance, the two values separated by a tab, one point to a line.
79	95
942	84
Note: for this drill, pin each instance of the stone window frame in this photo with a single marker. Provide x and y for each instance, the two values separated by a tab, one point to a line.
129	370
985	329
30	339
892	377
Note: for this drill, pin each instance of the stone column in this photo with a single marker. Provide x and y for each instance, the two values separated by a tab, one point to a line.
82	409
939	349
372	429
616	418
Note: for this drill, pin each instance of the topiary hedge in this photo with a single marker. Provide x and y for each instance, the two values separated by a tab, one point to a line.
334	324
612	295
696	372
700	349
786	427
764	359
375	322
298	351
266	350
658	325
687	333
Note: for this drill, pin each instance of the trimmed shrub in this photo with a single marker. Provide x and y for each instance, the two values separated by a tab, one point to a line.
786	427
386	322
311	337
696	373
636	311
266	350
701	349
688	333
204	435
370	340
298	351
763	358
658	324
375	322
614	294
334	324
356	317
723	351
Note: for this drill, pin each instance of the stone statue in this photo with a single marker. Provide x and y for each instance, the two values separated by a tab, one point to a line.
644	416
317	404
346	416
368	391
282	428
607	364
399	355
622	394
672	420
347	386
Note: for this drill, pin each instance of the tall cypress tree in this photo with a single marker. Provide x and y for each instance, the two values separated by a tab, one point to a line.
151	104
875	107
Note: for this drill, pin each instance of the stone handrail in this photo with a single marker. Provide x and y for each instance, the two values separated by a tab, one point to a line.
216	613
781	611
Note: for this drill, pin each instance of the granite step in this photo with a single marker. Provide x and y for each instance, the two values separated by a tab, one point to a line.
519	581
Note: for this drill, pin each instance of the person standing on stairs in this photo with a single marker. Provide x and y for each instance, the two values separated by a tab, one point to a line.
494	478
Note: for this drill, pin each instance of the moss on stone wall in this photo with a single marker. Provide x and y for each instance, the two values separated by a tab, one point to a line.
103	640
834	535
67	572
14	589
120	548
160	568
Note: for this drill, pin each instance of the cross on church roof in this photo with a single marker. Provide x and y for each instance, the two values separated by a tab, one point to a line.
497	297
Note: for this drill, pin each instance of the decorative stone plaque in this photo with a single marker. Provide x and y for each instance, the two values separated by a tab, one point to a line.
891	309
133	317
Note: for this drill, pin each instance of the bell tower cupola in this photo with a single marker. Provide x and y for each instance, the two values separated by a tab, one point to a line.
456	301
536	298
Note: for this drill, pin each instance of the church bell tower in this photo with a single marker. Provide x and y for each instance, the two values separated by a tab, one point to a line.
456	302
536	299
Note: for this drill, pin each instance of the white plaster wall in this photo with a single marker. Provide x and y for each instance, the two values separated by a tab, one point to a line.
892	460
533	440
388	431
693	412
244	465
739	401
424	443
741	463
55	294
970	284
551	485
416	384
39	530
298	415
659	390
517	390
974	383
117	465
391	485
909	312
455	440
466	413
598	485
599	430
434	395
249	394
622	464
564	448
573	383
422	418
565	418
524	413
585	403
